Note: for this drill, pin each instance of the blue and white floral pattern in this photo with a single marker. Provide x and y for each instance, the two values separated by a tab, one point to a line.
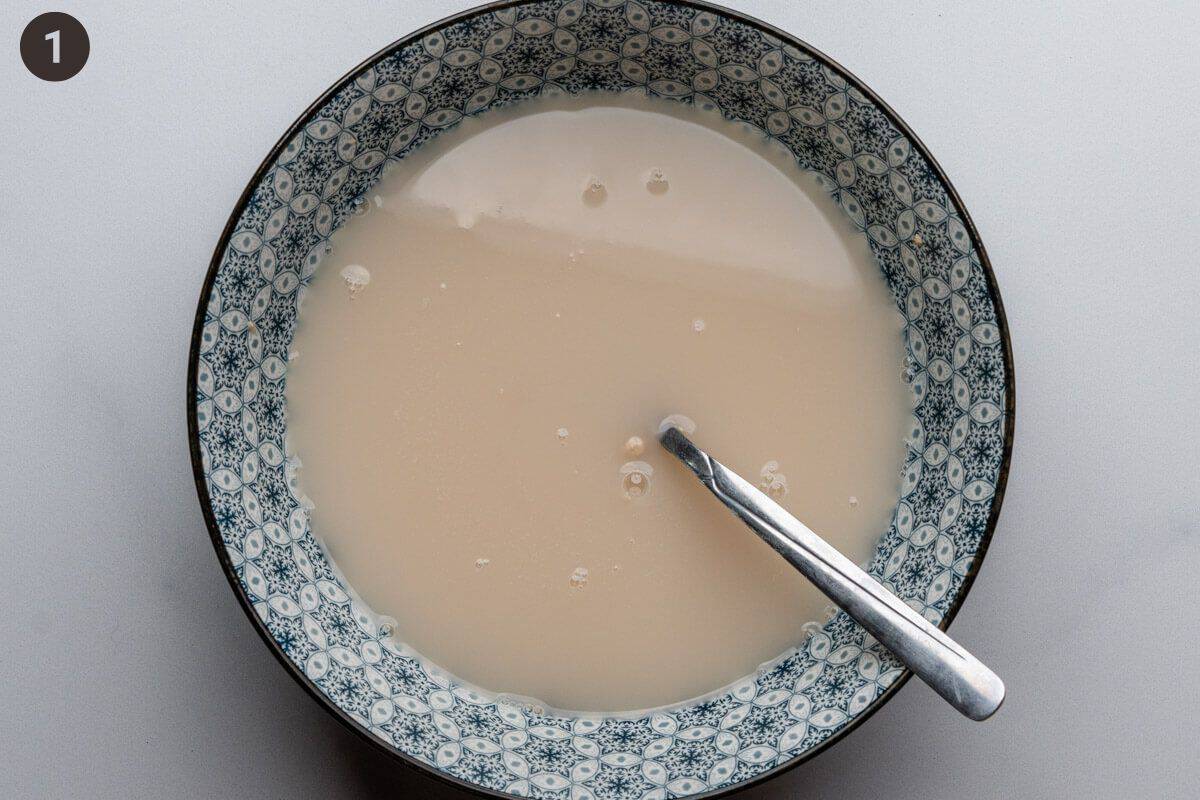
497	56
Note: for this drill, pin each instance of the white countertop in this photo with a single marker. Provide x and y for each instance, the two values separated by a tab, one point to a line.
127	668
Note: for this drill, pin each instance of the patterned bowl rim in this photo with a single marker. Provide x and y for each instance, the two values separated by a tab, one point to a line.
222	244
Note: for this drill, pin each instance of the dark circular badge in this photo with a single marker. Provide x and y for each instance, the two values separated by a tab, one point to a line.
55	46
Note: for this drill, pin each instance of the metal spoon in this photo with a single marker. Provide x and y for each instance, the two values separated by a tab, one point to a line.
937	659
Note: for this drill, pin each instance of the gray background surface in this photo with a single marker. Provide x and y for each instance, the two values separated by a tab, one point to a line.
127	668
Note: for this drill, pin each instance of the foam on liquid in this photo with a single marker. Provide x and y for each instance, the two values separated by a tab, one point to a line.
484	360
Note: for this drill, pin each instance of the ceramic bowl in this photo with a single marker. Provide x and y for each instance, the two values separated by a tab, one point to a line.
959	368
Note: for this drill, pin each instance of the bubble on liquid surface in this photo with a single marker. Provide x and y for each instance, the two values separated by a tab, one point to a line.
562	434
356	277
636	484
579	577
635	478
387	626
594	192
656	182
778	488
685	424
698	325
772	481
480	563
530	705
853	501
634	446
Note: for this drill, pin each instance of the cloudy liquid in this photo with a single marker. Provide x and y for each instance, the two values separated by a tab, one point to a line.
521	300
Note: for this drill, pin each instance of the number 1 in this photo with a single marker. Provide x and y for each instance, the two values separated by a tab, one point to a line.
52	36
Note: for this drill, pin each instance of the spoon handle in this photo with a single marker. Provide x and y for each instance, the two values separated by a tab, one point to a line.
964	681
